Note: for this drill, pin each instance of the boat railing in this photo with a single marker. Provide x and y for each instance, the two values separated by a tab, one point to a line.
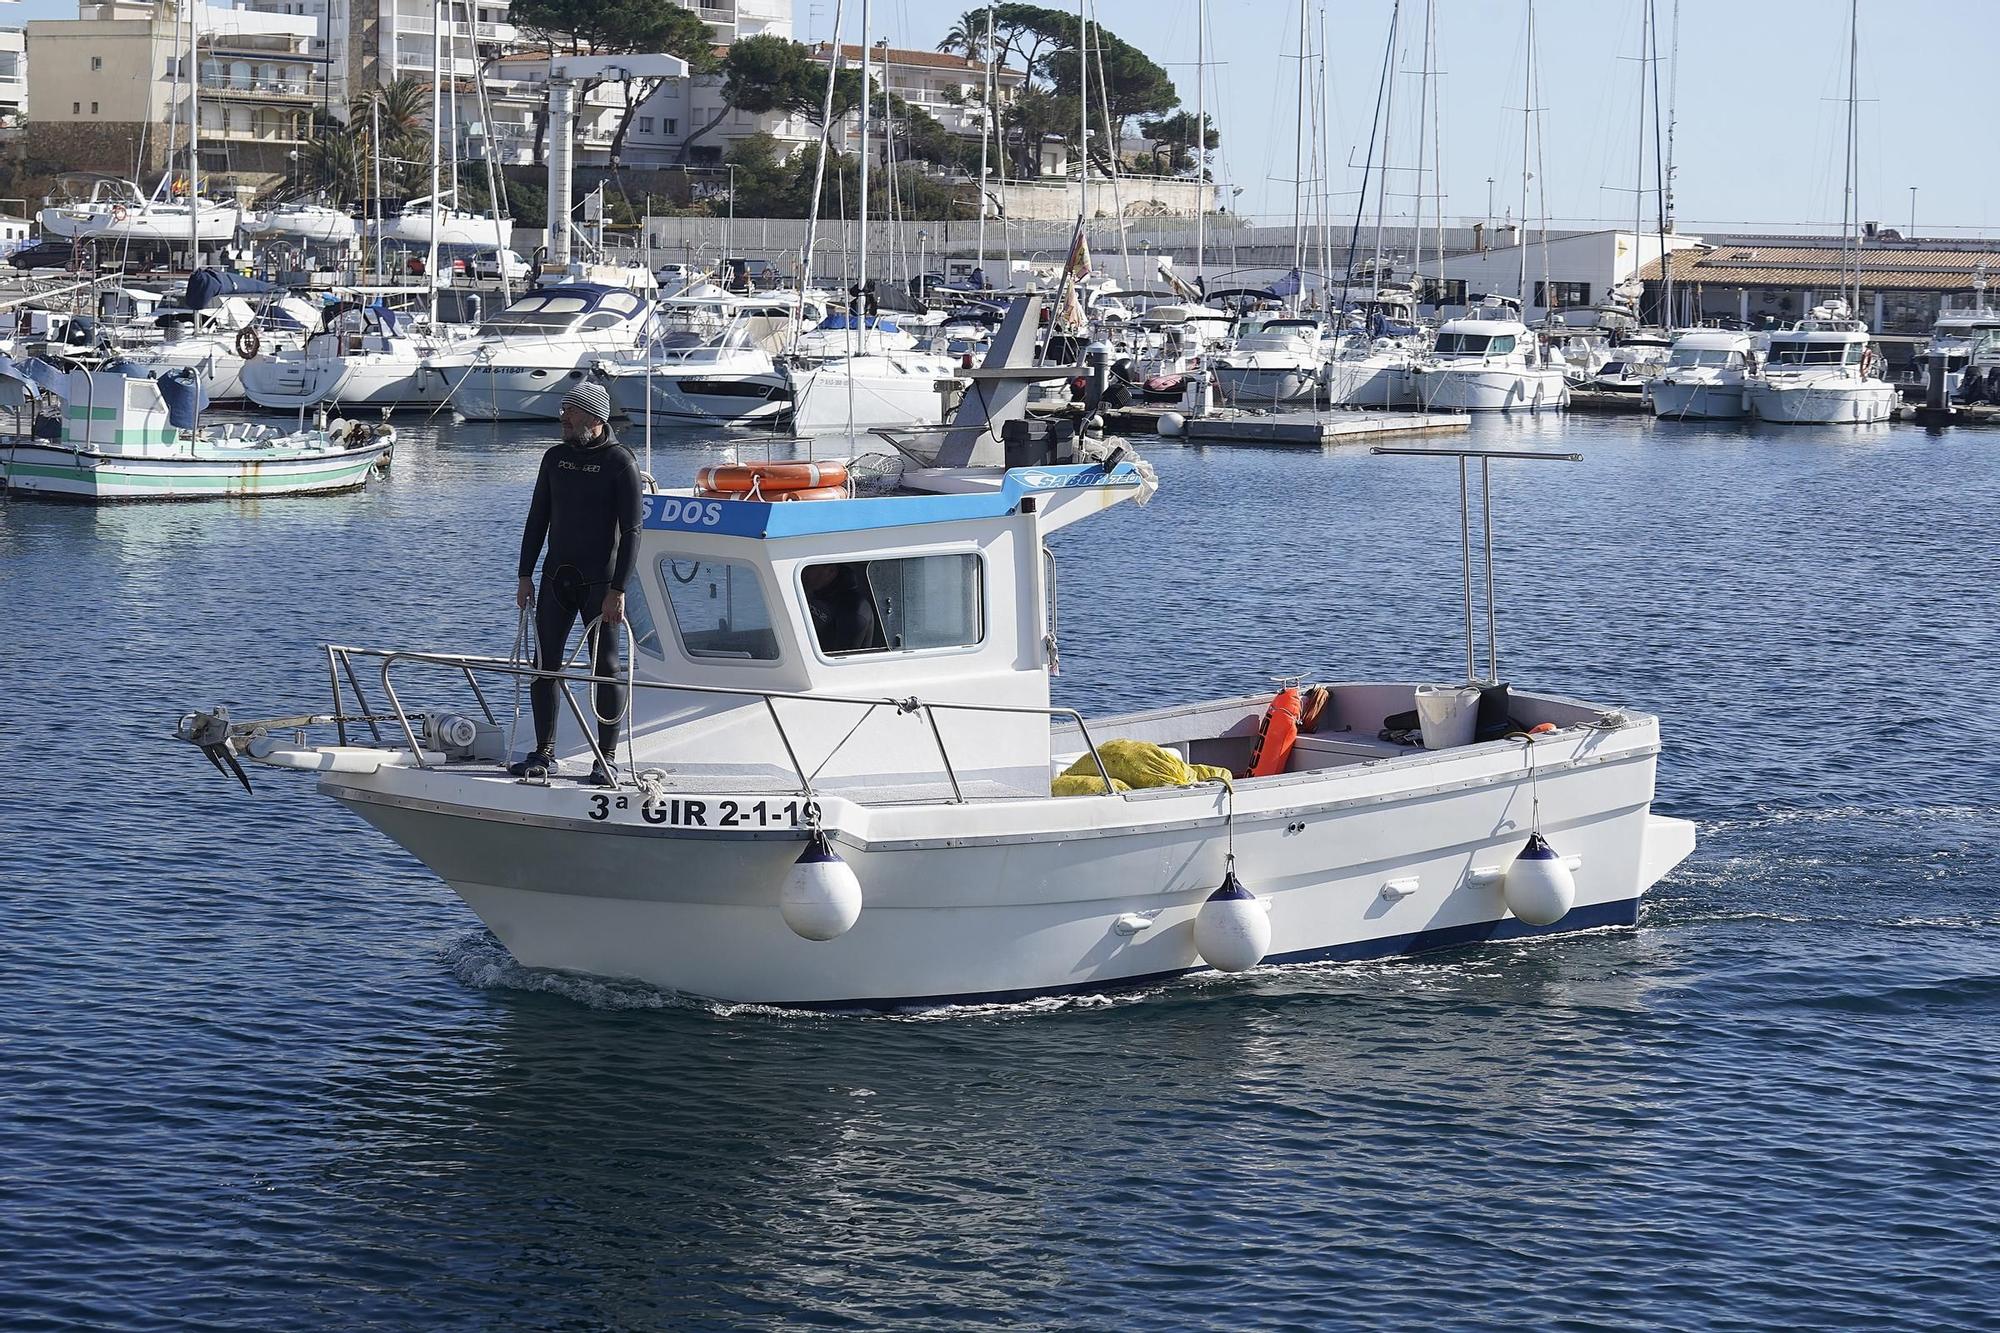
341	666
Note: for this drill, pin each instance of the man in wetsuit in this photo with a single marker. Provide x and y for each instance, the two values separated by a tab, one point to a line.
586	508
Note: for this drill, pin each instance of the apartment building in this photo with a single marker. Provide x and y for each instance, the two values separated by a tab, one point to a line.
114	89
949	87
13	76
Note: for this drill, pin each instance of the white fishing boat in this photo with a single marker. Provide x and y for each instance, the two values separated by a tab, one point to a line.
530	354
1277	361
843	748
1489	363
1822	371
1706	377
127	437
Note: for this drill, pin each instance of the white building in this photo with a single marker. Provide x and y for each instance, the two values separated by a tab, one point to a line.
13	75
1580	269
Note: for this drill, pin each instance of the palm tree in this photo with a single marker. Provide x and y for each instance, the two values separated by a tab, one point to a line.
968	36
405	108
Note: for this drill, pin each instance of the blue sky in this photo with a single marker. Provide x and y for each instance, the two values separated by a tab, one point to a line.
1760	116
1760	122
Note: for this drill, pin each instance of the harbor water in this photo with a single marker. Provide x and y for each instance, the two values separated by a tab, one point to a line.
259	1070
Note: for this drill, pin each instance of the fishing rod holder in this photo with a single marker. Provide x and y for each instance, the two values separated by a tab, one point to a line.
1485	457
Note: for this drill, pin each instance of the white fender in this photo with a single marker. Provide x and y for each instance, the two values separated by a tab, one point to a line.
821	898
1232	931
1539	888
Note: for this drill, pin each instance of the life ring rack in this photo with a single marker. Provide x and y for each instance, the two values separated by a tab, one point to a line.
773	481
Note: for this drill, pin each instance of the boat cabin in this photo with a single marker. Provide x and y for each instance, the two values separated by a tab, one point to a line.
858	603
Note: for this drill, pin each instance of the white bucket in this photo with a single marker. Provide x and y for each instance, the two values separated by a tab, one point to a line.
1449	715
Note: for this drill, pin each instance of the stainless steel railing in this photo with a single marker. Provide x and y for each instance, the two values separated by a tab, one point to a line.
341	659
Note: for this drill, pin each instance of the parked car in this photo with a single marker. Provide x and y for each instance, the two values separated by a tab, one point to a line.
488	265
671	277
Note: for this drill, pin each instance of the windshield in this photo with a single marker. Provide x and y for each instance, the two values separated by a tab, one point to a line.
1474	344
537	312
1814	354
1688	357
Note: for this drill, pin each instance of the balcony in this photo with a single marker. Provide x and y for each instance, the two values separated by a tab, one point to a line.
229	88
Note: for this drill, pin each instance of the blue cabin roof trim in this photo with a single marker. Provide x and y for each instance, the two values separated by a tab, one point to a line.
764	519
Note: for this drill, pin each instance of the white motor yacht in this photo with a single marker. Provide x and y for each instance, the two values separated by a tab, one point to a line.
1488	362
528	356
1278	361
1822	370
1967	339
843	746
370	357
727	379
1706	377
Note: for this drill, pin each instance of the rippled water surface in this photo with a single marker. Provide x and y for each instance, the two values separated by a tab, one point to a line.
258	1070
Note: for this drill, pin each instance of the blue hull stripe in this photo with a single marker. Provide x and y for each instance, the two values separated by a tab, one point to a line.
1594	917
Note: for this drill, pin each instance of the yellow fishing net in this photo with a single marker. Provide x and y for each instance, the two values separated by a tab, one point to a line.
1136	764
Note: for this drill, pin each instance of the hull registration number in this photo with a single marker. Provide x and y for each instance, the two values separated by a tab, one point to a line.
693	811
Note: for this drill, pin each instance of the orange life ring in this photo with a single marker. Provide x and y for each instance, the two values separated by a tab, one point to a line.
1277	735
118	213
803	493
770	478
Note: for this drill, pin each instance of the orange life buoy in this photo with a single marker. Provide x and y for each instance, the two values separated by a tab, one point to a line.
1277	735
770	478
803	493
118	213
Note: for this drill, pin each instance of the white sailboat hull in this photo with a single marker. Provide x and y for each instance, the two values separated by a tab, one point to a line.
1257	385
1009	899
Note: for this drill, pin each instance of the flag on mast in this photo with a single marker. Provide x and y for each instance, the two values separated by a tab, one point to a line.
1074	272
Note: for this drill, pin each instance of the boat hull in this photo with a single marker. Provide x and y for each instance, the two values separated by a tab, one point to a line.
881	397
1370	383
57	473
1016	898
705	399
1698	402
485	391
1811	403
1260	386
1456	389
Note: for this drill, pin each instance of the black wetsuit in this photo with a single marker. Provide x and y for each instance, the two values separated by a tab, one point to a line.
586	506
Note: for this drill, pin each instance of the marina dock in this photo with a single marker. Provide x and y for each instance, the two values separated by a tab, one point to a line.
1314	428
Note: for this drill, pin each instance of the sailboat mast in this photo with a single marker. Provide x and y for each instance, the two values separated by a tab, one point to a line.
194	138
1667	169
1639	164
1299	164
861	282
1849	220
986	127
1388	121
1200	136
1527	128
1423	110
1083	107
437	107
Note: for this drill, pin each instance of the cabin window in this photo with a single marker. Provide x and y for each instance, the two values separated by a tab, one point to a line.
719	609
898	605
1502	345
1462	344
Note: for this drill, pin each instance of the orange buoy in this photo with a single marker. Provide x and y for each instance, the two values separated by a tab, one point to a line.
772	497
1277	735
768	479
